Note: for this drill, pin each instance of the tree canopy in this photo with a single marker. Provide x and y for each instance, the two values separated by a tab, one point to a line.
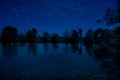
9	34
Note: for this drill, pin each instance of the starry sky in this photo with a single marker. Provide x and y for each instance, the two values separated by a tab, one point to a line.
53	15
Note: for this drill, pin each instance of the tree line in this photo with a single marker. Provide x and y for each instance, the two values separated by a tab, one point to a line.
112	16
10	35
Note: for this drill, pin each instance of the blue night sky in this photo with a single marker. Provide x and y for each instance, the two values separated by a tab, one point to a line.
53	15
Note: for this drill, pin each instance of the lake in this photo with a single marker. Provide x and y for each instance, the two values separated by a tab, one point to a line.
47	61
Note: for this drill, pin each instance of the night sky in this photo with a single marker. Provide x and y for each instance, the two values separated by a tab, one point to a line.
53	15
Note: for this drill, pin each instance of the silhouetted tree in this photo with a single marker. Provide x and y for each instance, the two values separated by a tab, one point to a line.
117	31
116	43
45	37
80	33
98	35
0	36
116	59
54	38
118	1
66	36
112	16
74	36
9	35
89	37
21	38
102	35
31	35
34	32
106	35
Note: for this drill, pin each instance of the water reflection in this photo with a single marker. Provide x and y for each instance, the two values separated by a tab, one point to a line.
109	59
46	47
10	50
103	52
76	48
55	45
80	50
66	47
32	49
89	50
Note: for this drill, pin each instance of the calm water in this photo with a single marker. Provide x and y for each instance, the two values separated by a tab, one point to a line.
46	61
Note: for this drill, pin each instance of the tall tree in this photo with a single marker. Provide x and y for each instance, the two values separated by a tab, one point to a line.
89	37
112	16
9	35
106	35
55	38
80	33
66	36
102	35
117	31
74	36
31	35
45	37
98	35
21	38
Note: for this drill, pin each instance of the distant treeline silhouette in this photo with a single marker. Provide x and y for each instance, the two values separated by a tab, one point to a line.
10	35
99	36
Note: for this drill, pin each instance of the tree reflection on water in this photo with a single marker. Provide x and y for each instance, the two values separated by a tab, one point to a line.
10	50
109	58
32	49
